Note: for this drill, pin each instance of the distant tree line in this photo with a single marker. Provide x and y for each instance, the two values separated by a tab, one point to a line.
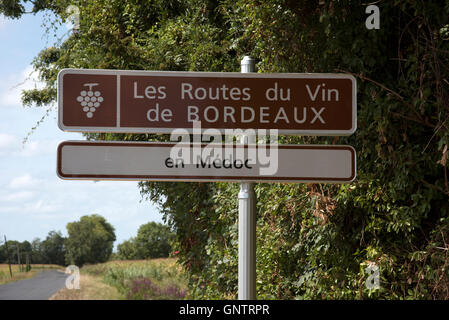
51	250
90	240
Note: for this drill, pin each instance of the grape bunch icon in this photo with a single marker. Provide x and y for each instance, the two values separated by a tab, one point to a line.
90	100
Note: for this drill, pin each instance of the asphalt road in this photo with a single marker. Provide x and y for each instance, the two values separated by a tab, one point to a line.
41	287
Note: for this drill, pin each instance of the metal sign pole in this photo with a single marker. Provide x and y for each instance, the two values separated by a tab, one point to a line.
247	222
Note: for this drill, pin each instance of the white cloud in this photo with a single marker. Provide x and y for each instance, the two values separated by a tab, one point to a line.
11	145
23	181
29	209
12	87
44	207
3	22
17	196
7	142
39	147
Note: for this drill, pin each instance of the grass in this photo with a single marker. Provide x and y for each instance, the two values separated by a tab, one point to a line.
91	288
17	275
143	279
132	279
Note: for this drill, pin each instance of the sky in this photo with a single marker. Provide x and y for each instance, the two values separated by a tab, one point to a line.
33	200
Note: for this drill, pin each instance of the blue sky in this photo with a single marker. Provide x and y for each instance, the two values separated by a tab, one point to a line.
33	200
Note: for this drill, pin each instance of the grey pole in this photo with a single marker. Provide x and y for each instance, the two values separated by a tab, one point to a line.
247	221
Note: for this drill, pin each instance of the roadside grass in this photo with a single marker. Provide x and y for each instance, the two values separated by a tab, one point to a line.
153	279
91	288
17	275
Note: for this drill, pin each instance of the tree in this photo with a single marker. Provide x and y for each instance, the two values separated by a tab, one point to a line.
13	248
53	248
25	246
37	256
90	240
153	240
128	250
3	255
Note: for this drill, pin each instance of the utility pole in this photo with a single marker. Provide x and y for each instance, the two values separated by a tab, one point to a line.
28	266
9	257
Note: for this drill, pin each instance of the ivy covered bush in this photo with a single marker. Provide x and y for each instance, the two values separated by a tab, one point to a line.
314	241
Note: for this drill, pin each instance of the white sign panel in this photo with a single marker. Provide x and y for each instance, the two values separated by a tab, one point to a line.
190	162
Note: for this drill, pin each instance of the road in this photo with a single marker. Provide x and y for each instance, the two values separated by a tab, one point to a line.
40	287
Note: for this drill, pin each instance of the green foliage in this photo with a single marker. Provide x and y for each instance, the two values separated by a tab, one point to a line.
128	250
152	241
314	241
12	8
90	240
3	254
37	256
49	251
15	250
53	248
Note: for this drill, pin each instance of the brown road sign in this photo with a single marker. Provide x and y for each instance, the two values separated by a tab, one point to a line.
164	162
158	102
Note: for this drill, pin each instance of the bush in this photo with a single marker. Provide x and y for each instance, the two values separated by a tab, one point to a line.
145	289
149	279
